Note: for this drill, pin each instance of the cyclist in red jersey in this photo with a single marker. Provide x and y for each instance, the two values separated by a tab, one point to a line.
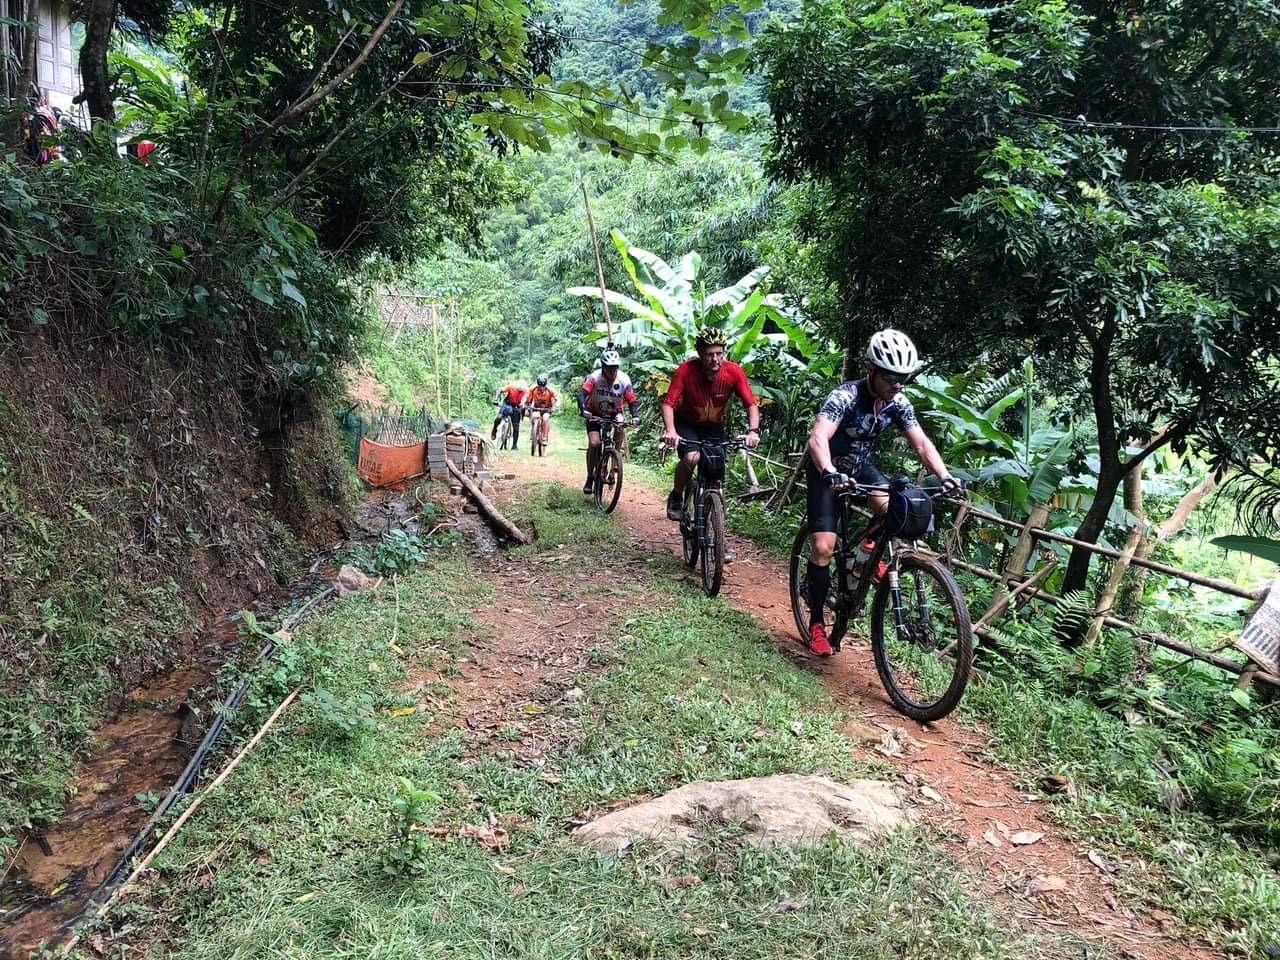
695	405
510	402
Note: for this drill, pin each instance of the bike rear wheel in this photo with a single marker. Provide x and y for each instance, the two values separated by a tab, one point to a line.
924	663
834	616
712	542
689	526
606	497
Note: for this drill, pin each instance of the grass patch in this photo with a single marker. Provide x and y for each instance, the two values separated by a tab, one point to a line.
1212	862
1185	862
288	860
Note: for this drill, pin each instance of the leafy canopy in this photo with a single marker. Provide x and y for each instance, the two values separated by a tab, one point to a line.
996	181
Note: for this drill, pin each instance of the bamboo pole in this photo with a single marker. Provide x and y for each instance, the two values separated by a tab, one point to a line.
997	609
1020	559
1132	544
1221	586
486	507
1159	639
595	246
186	815
792	479
452	335
435	351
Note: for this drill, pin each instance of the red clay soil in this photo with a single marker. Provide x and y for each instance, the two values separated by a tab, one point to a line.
972	807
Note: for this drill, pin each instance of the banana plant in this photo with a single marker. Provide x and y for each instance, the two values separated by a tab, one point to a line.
676	305
1026	469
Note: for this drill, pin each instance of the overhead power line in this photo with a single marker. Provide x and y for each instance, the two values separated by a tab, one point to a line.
1168	128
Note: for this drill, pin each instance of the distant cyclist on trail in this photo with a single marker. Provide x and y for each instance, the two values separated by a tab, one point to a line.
840	452
542	401
601	398
695	405
510	400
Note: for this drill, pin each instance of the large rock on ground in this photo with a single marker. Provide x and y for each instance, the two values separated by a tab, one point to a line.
787	808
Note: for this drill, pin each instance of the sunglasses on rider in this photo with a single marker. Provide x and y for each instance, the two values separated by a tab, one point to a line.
897	379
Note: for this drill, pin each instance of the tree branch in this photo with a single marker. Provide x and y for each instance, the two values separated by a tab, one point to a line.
301	108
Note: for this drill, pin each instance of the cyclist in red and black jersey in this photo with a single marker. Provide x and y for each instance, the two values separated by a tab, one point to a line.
695	405
510	401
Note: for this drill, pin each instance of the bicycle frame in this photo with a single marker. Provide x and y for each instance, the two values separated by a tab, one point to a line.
702	484
885	548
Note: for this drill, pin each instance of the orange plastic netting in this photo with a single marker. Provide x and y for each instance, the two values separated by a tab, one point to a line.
384	465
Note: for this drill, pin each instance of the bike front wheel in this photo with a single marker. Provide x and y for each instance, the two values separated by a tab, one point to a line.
921	638
689	527
834	615
712	545
606	496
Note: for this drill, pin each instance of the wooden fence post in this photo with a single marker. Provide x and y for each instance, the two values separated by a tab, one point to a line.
1015	567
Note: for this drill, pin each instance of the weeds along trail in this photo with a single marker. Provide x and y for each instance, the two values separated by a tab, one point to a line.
520	693
977	812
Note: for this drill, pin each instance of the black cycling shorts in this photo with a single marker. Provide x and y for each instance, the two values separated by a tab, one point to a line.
593	422
823	502
698	432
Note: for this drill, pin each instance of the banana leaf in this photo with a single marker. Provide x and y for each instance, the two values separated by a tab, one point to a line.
1263	547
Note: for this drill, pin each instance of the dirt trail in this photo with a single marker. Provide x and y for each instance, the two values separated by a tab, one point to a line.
972	807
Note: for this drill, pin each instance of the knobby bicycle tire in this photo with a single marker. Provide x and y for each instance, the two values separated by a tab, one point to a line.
689	526
836	617
712	543
606	497
955	648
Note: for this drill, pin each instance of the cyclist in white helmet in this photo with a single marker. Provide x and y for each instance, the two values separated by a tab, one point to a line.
601	400
840	450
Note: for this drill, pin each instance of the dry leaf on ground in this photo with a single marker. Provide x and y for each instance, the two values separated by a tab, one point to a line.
1045	884
1024	837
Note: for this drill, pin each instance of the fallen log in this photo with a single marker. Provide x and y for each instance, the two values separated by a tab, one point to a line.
491	513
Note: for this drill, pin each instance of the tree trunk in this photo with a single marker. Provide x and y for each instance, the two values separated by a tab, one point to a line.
99	21
1110	471
30	41
1137	537
855	357
1090	529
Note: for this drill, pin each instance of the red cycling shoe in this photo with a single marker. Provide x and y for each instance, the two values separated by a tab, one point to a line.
818	643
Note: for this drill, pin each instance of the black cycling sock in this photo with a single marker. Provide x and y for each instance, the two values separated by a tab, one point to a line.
819	584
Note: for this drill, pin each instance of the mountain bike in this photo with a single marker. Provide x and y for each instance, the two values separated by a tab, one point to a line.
921	635
702	514
504	433
539	431
606	485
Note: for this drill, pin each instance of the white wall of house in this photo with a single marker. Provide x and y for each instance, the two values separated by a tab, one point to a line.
57	71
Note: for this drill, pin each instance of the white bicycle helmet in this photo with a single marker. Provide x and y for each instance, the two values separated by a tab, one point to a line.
611	358
892	350
522	385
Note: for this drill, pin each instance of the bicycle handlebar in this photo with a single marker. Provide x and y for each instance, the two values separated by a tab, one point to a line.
855	489
736	442
617	419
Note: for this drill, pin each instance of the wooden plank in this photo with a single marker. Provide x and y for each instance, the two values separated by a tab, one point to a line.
486	507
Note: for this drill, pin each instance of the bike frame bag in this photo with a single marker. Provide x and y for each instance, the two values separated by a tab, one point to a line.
910	514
